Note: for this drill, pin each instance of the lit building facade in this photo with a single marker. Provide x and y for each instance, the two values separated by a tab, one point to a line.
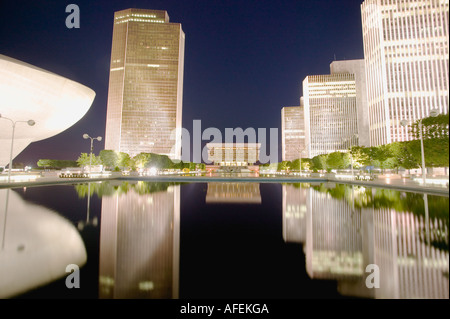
407	63
144	112
293	133
357	68
233	154
330	113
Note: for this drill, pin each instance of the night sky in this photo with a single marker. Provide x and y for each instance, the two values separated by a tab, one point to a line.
244	60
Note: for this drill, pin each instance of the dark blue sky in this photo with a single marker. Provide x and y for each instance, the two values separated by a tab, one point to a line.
244	60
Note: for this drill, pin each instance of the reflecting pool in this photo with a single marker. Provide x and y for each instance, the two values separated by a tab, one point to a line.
222	240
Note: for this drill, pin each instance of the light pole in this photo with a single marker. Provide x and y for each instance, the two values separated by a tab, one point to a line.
302	150
30	123
98	138
350	152
433	113
301	161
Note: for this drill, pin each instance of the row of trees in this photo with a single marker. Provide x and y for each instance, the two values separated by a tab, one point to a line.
113	160
396	155
55	164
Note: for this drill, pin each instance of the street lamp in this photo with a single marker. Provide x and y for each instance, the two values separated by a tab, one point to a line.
30	123
99	138
405	123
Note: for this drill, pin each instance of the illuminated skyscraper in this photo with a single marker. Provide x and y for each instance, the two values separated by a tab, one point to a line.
334	107
146	84
293	133
407	63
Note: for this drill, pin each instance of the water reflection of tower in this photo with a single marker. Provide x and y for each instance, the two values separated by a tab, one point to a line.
409	266
294	213
342	240
333	240
139	245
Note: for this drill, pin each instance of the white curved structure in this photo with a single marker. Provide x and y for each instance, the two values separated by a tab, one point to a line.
37	245
27	92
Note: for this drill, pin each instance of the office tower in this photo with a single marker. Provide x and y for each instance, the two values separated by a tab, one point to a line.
146	84
407	63
333	106
293	133
357	68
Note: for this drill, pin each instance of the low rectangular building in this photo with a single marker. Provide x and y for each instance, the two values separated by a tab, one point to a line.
233	154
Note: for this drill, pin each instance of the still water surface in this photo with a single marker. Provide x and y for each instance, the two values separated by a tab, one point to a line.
223	240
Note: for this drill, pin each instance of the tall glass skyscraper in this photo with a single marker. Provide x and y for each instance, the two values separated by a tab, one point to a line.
407	63
146	84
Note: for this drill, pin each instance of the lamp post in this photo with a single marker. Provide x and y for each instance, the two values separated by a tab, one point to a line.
301	151
30	123
433	113
98	138
301	161
350	152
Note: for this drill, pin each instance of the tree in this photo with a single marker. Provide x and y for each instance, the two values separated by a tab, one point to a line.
125	161
436	152
141	159
177	165
284	165
402	155
337	160
360	156
44	163
433	127
84	160
110	158
319	162
56	164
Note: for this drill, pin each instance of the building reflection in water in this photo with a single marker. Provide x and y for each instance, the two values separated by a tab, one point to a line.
239	193
37	244
294	213
139	244
344	229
